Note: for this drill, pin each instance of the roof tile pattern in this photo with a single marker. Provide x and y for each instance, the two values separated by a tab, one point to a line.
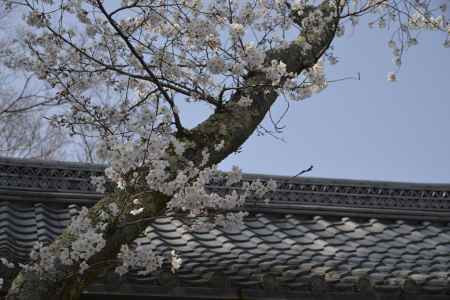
22	224
293	252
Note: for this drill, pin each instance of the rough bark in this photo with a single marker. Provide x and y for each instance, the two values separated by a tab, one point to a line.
231	124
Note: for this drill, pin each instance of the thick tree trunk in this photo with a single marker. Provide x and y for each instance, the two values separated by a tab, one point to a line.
232	124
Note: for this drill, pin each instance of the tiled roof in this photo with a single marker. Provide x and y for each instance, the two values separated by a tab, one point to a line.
333	239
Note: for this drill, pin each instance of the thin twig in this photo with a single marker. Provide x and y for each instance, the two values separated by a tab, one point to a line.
303	171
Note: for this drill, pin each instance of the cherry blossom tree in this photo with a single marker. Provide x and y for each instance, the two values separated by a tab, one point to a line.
124	67
23	131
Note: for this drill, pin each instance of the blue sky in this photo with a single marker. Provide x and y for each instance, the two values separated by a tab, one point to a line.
371	128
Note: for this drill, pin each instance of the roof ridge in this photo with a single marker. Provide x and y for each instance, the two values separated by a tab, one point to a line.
29	180
304	179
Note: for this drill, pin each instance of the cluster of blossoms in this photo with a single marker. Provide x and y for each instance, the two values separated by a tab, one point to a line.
7	264
277	71
409	20
189	193
83	239
204	46
188	187
424	22
314	81
252	56
245	101
141	257
99	183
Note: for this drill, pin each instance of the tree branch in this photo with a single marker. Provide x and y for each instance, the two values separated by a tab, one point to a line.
152	76
234	124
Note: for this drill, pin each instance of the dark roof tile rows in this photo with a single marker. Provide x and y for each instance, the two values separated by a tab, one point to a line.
289	246
290	249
